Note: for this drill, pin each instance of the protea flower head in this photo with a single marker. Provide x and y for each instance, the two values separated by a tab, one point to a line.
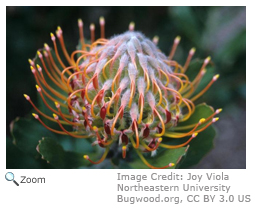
121	90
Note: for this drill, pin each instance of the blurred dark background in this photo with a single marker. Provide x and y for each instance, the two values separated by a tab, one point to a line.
216	31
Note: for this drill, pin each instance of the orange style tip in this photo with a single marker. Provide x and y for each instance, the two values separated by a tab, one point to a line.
55	116
216	77
124	148
101	21
202	120
131	26
218	110
86	157
92	26
177	39
192	51
207	60
194	135
215	119
171	164
160	140
35	115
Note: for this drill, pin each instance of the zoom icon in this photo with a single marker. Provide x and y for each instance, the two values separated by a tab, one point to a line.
10	177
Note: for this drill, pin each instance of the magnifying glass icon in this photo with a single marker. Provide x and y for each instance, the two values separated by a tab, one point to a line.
10	177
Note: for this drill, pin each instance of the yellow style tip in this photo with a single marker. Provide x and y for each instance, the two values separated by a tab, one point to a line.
30	61
177	39
86	157
131	26
194	135
35	115
207	60
215	119
203	72
80	23
218	110
92	26
192	50
101	20
95	128
216	77
55	116
45	53
202	120
171	164
155	39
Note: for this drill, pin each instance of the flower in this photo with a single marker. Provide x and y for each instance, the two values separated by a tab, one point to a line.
120	90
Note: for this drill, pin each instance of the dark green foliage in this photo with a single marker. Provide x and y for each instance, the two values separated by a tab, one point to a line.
54	154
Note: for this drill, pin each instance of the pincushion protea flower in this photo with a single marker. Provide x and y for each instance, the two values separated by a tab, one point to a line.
120	90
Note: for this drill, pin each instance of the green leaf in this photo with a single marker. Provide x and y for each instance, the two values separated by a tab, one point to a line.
201	144
26	134
184	17
199	147
163	158
201	111
232	49
54	154
17	159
